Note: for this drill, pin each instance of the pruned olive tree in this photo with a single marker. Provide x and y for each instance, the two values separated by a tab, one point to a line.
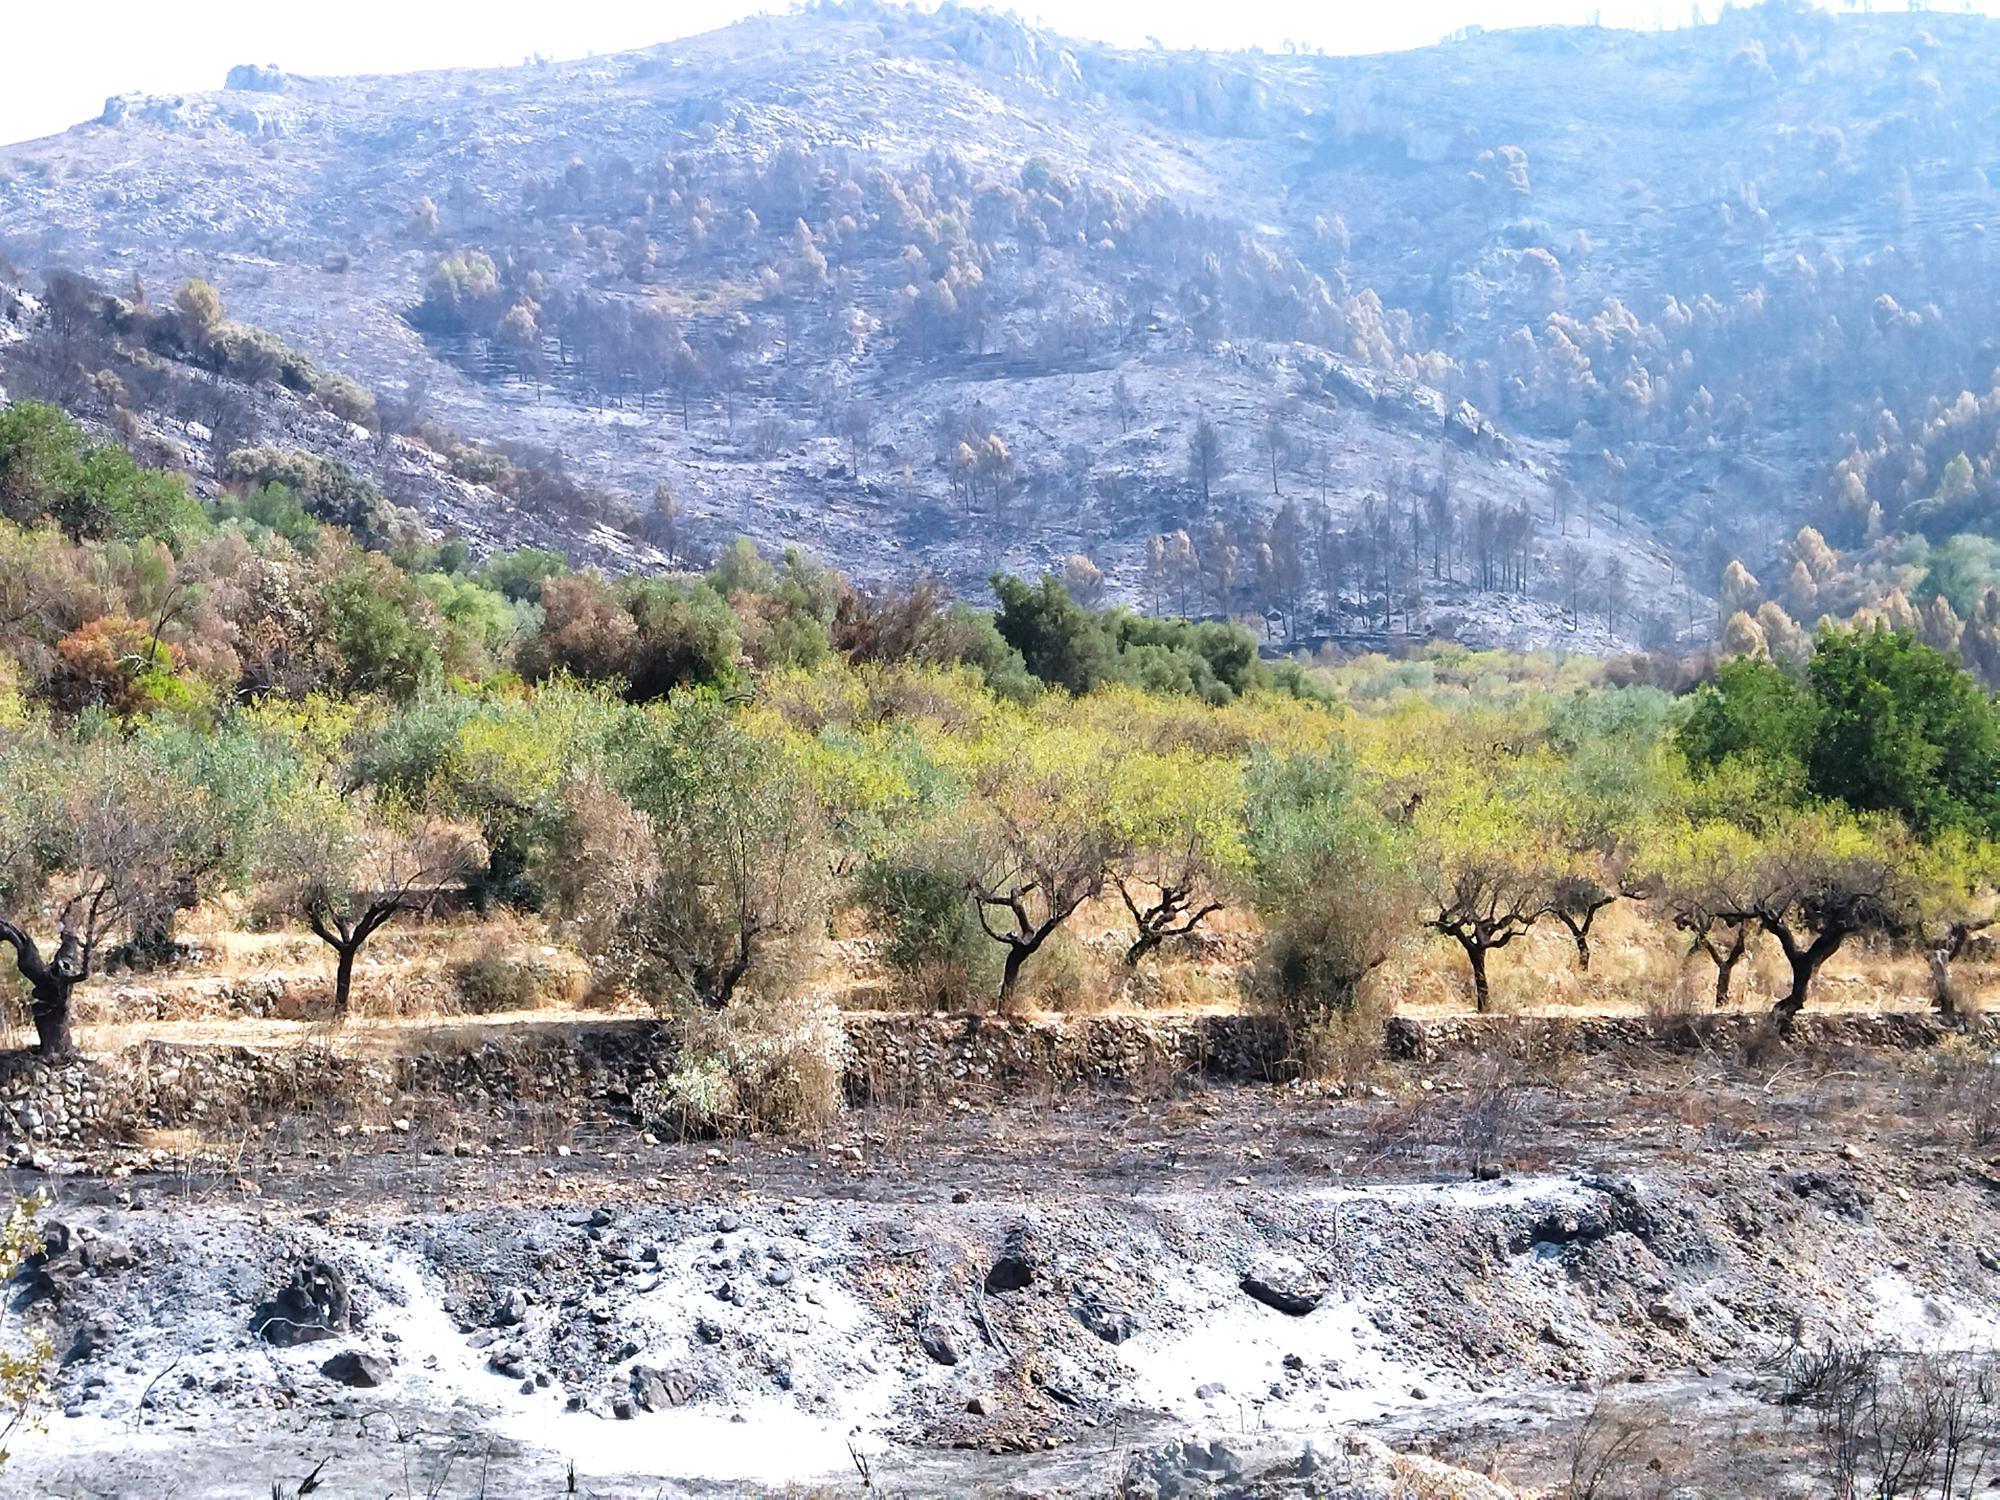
98	835
1484	867
1177	852
1953	876
1575	898
1603	792
1044	842
1815	878
350	866
1696	865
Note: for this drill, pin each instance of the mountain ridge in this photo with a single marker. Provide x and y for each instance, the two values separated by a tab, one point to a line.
857	240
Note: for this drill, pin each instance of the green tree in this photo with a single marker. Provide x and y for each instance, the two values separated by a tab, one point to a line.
714	858
1902	728
1062	643
373	616
98	835
1044	841
1753	710
1329	879
1487	861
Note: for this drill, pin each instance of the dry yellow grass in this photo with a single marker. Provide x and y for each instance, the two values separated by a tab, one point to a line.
409	979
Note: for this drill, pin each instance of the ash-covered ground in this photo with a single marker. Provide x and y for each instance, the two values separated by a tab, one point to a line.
1235	1288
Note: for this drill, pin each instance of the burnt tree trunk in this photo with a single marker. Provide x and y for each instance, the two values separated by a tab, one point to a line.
1579	931
715	985
1944	989
345	935
1168	917
343	976
1027	935
1019	951
1475	954
50	983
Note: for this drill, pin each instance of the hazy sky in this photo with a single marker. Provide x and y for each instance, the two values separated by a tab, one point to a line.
66	58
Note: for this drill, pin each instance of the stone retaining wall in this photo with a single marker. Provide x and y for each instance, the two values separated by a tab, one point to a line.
1412	1038
895	1059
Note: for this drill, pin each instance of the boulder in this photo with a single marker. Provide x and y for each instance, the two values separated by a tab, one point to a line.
351	1367
313	1304
1282	1283
938	1343
91	1339
1105	1318
657	1390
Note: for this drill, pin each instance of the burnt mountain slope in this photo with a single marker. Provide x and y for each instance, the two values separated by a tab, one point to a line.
1522	336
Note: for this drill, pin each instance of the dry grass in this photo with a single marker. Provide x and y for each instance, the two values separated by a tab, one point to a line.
274	987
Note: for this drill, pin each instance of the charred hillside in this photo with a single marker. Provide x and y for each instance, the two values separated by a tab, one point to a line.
1523	337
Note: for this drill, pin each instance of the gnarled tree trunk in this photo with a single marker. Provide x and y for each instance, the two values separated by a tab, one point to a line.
1172	915
1805	960
50	983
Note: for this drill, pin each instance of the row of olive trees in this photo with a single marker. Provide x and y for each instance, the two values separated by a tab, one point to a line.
698	845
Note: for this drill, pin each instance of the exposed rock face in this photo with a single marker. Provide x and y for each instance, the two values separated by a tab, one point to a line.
261	78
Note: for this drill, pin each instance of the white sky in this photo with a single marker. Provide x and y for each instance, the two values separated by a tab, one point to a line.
60	61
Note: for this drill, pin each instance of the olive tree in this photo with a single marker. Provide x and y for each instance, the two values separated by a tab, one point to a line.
700	863
1329	880
351	866
1044	842
1695	865
1812	879
1485	866
97	836
1952	876
1177	841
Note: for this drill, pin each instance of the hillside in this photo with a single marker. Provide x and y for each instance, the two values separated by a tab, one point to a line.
945	293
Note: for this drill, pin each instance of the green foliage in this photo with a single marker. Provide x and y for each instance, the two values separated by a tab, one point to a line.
974	638
1062	643
325	487
685	637
1960	569
1882	723
930	929
1328	878
519	574
26	1357
1755	711
383	645
269	508
1903	729
737	864
49	470
1065	645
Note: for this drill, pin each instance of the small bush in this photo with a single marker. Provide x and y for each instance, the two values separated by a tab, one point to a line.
1343	1050
766	1063
495	980
932	941
1065	976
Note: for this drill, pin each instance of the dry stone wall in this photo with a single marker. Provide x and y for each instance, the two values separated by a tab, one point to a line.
216	1091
